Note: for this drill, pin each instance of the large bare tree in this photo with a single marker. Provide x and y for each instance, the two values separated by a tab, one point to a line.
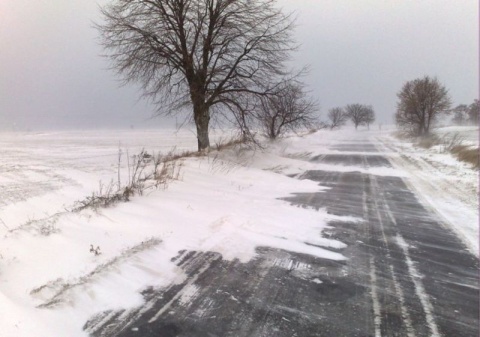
369	116
289	109
203	55
358	113
337	118
420	103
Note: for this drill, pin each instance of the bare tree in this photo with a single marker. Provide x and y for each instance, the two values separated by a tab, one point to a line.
421	101
369	116
357	113
337	117
289	109
201	55
460	114
474	112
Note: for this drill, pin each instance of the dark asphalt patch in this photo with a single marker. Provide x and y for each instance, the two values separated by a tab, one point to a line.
449	272
352	160
355	147
279	294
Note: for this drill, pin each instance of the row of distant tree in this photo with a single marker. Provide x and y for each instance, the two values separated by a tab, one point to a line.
466	114
423	100
359	114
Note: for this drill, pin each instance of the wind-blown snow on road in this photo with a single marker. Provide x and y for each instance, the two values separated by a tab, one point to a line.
235	207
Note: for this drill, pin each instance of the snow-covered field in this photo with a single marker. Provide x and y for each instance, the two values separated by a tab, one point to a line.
469	134
50	282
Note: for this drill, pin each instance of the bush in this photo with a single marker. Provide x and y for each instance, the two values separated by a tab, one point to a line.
467	154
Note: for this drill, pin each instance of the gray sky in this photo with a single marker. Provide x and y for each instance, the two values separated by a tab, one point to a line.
359	51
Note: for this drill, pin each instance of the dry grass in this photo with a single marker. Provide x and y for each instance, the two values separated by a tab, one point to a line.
56	292
165	169
467	154
402	135
228	143
452	143
429	141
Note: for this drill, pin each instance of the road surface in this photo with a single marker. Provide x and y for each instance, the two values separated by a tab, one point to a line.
407	274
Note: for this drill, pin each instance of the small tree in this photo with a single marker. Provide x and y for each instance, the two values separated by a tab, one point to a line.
369	116
202	55
288	109
337	118
474	112
460	114
420	103
357	113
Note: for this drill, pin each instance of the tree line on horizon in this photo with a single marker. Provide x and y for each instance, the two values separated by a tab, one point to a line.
358	114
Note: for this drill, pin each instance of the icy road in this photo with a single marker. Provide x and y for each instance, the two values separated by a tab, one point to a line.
334	234
406	272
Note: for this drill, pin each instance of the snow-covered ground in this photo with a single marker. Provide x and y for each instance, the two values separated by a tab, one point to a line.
469	134
50	282
446	185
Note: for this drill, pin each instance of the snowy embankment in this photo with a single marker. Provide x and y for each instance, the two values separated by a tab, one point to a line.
51	282
446	185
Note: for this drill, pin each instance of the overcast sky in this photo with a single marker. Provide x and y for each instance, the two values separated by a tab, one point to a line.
359	51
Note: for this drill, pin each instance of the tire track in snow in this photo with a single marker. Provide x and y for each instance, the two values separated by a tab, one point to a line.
381	205
420	289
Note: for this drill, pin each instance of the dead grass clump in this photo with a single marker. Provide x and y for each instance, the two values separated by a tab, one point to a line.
106	196
427	142
57	291
144	173
451	141
173	155
227	143
467	154
402	135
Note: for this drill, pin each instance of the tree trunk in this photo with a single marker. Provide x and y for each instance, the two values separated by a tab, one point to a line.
427	127
202	120
272	131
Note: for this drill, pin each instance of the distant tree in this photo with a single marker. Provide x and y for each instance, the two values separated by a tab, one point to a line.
289	109
420	103
474	112
460	114
357	113
206	56
369	116
337	117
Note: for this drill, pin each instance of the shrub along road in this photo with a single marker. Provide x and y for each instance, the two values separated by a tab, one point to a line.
407	274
